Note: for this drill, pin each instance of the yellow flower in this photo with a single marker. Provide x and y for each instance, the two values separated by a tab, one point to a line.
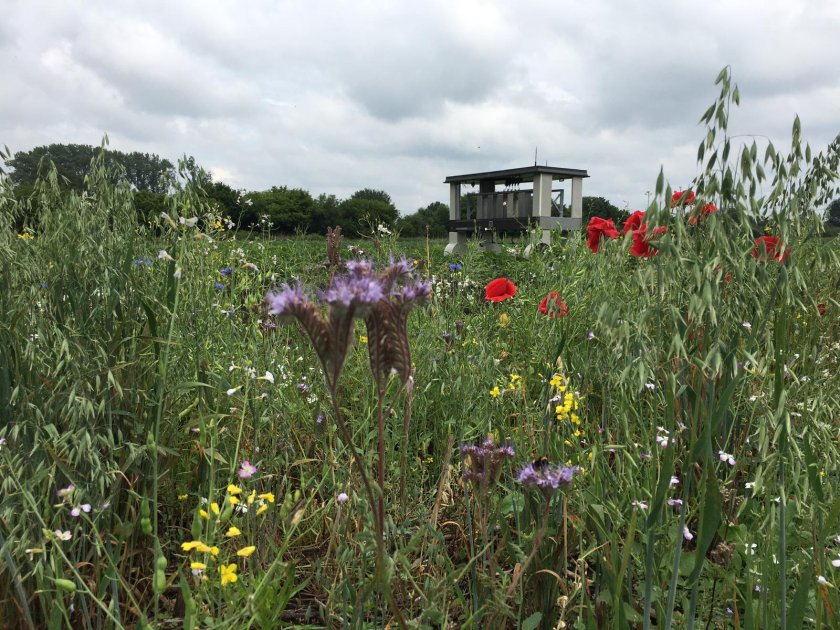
182	497
233	500
504	320
214	551
246	551
252	496
233	531
198	566
214	507
262	508
495	393
514	378
363	339
228	574
203	514
202	548
266	496
189	546
233	490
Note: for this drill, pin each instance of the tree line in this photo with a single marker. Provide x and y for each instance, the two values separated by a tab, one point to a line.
279	209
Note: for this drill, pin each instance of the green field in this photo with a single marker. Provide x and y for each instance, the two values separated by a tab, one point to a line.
173	454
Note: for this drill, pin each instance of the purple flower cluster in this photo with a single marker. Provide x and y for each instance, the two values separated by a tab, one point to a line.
482	460
356	290
546	477
285	301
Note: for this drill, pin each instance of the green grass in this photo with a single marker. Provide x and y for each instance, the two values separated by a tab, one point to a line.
146	391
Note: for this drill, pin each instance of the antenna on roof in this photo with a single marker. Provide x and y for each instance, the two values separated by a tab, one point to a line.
535	155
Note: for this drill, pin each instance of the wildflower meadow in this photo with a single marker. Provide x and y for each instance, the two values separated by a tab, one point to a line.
636	427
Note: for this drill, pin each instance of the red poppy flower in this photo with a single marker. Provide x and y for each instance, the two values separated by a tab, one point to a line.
821	308
770	247
641	247
633	221
599	227
499	290
553	305
706	210
682	198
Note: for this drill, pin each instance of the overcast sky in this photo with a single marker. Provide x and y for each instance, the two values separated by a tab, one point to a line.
337	96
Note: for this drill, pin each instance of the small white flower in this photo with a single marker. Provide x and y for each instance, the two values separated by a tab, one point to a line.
177	273
753	398
687	533
63	535
268	377
674	481
163	255
727	458
675	502
749	549
836	562
640	505
822	581
342	497
662	440
746	325
233	390
189	222
749	485
650	386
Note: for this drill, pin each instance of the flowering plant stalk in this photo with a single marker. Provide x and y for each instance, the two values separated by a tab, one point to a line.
383	300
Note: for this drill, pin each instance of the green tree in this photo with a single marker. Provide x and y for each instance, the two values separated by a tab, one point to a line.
286	209
832	213
143	171
600	207
362	209
435	216
225	199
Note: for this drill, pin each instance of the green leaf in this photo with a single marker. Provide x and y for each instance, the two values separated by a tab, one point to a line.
710	511
532	622
796	613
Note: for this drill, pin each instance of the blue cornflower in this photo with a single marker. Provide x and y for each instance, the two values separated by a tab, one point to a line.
455	266
143	262
218	285
225	271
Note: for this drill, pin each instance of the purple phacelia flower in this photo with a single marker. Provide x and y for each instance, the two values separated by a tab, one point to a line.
225	271
283	302
218	286
353	292
545	477
482	460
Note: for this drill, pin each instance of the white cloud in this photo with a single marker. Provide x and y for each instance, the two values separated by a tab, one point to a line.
335	96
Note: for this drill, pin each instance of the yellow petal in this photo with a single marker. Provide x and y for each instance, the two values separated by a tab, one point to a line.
233	531
252	496
214	551
203	514
215	508
262	508
246	551
266	496
234	489
233	500
198	565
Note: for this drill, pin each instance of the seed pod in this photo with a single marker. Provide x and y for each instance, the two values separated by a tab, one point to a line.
66	585
159	583
297	495
150	443
146	526
160	563
144	508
